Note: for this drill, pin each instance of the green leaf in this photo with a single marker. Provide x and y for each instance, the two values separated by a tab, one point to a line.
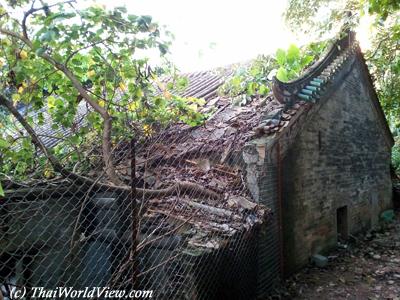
306	60
263	90
280	56
182	83
1	190
26	144
4	144
160	102
163	49
282	75
40	51
293	53
16	98
75	139
147	19
48	36
58	102
40	118
236	81
144	22
76	61
251	89
132	18
51	102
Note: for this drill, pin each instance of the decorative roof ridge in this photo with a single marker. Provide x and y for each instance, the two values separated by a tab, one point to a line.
312	84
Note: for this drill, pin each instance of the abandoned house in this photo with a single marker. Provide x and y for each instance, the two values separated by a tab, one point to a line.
289	175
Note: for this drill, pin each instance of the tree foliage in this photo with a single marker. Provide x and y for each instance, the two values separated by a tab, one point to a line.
292	62
56	57
322	18
249	80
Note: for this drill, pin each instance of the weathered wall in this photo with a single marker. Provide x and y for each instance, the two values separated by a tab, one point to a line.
35	234
261	171
340	158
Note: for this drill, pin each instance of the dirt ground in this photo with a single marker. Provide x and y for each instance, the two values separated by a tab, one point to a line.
366	267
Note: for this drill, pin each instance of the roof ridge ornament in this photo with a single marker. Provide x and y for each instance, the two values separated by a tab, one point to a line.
314	82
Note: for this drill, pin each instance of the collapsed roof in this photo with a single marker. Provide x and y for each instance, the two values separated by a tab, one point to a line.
210	155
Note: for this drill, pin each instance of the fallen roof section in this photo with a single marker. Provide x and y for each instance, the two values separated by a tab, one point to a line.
210	156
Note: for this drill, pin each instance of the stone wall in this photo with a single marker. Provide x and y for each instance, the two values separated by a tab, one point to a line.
339	159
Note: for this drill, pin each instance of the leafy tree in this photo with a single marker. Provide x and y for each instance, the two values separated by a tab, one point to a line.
383	8
396	156
56	57
321	18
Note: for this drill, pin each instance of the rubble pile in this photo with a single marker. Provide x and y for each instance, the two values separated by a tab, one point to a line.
208	156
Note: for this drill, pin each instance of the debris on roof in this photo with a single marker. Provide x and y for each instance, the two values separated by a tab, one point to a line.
208	156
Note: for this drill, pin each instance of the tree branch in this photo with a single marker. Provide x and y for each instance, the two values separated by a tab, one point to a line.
32	10
183	187
376	50
35	139
83	48
106	142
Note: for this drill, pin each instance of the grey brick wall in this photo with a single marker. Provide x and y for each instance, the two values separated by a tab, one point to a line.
261	168
269	246
340	158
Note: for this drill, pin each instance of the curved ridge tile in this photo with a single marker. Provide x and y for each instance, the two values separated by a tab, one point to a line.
311	86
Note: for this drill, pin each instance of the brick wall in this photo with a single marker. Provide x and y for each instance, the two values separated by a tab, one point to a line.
269	245
261	169
340	158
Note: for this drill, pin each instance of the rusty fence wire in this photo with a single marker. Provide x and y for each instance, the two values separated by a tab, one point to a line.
182	224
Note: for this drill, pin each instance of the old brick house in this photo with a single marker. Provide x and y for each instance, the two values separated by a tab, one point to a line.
336	177
316	152
326	172
319	157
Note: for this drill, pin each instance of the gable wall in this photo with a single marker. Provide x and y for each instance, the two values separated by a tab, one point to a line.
339	158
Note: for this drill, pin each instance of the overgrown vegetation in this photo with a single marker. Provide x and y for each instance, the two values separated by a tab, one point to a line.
250	80
396	154
320	19
292	62
383	59
254	79
57	57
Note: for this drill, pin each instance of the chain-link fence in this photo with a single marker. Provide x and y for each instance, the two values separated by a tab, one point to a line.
182	223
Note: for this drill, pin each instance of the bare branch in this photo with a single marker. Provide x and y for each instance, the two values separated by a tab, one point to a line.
146	242
160	264
32	10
